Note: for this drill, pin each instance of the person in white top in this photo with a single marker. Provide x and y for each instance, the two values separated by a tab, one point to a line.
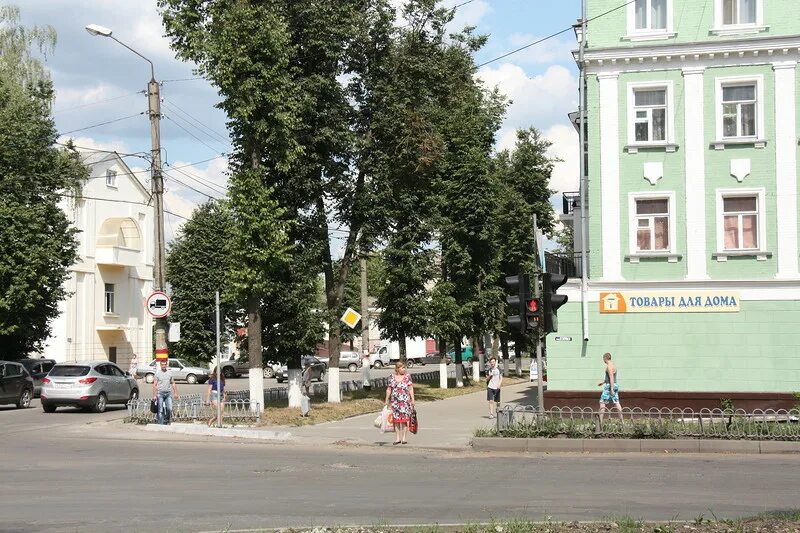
132	366
494	380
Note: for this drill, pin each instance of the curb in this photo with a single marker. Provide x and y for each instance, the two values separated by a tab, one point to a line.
193	429
500	444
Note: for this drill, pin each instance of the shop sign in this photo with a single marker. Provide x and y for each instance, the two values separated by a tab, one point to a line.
669	302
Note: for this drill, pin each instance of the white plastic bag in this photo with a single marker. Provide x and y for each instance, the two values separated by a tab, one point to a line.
385	426
378	421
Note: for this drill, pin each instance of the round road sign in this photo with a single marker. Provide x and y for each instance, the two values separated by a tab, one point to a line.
158	304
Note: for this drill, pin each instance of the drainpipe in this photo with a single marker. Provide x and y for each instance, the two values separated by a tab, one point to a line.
583	178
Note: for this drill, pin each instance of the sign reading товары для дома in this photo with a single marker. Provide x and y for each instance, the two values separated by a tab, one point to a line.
669	302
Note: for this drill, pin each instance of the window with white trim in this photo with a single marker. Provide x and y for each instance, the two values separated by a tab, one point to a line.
652	223
111	178
739	103
650	15
740	223
739	12
109	298
650	114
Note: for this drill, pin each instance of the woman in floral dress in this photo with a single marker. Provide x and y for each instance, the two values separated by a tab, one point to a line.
400	397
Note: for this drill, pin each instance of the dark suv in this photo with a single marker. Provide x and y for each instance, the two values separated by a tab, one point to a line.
38	369
16	385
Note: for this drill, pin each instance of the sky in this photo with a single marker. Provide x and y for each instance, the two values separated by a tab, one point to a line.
98	81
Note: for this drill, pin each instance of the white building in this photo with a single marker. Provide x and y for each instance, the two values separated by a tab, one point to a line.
104	316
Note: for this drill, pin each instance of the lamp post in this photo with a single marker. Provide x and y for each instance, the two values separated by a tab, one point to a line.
156	182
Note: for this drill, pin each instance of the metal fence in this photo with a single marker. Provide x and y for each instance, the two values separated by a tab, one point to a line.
190	407
579	422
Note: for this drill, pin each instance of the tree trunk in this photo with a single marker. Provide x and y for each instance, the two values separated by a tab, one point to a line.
459	363
294	381
504	348
402	344
496	346
477	361
442	363
256	370
334	350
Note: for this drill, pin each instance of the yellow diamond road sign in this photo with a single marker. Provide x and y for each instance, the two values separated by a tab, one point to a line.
350	317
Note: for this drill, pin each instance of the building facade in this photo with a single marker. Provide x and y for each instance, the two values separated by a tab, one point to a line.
104	315
692	130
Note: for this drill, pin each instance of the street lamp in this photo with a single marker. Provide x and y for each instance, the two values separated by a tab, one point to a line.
157	182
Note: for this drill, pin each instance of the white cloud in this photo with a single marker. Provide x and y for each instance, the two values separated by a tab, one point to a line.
556	50
468	15
565	147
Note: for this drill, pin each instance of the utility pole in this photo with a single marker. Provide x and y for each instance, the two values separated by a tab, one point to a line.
157	189
364	326
537	339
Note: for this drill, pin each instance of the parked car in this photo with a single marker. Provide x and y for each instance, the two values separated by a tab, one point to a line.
318	369
433	358
38	369
181	369
90	385
239	366
347	359
16	384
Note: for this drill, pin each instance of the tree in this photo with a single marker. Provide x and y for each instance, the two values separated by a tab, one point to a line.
198	263
34	178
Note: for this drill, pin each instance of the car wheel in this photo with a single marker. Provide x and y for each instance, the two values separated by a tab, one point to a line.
269	372
352	367
321	376
134	396
378	364
191	379
447	360
409	363
148	378
101	403
228	372
48	407
24	399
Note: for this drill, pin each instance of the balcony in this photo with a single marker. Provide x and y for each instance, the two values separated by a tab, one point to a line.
568	264
116	255
570	200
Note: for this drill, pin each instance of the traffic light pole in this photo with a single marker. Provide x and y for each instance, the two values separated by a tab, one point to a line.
537	338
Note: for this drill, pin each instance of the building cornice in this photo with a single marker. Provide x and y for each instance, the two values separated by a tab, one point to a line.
766	50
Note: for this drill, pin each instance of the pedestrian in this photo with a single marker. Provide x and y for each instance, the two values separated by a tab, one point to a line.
610	386
400	397
216	395
494	380
133	365
164	389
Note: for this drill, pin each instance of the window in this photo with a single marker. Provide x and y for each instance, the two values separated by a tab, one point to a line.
652	225
13	370
109	299
112	354
650	15
738	12
739	111
174	364
111	178
740	223
650	115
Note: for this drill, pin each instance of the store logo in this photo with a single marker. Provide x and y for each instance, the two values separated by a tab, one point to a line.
612	302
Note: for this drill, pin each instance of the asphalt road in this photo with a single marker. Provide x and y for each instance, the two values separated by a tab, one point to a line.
73	471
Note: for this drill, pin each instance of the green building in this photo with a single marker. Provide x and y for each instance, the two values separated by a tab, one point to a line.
692	220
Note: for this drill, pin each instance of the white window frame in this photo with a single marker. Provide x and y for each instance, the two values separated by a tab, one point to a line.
761	252
669	142
759	138
109	309
647	34
732	29
634	253
111	177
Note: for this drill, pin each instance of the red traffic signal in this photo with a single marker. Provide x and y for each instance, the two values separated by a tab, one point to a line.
533	306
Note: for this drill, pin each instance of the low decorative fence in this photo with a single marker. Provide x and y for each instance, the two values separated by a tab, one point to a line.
190	407
577	422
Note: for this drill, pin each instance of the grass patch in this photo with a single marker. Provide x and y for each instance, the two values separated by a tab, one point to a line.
363	402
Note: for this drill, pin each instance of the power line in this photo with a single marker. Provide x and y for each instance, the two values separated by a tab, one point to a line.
173	178
180	120
141	155
183	79
221	156
195	137
191	117
551	36
97	102
205	182
114	200
102	123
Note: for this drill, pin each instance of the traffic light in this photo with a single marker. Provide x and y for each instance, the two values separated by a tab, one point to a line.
551	300
525	304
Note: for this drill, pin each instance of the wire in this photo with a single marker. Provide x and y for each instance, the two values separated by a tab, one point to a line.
180	120
176	180
223	156
182	79
98	102
102	123
142	155
208	128
114	200
195	137
202	181
552	35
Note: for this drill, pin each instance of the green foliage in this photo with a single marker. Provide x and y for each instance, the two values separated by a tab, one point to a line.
198	262
37	242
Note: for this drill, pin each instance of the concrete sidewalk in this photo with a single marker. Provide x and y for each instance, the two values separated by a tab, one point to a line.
444	424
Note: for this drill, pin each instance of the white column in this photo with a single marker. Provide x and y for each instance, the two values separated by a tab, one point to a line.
786	167
609	176
695	150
